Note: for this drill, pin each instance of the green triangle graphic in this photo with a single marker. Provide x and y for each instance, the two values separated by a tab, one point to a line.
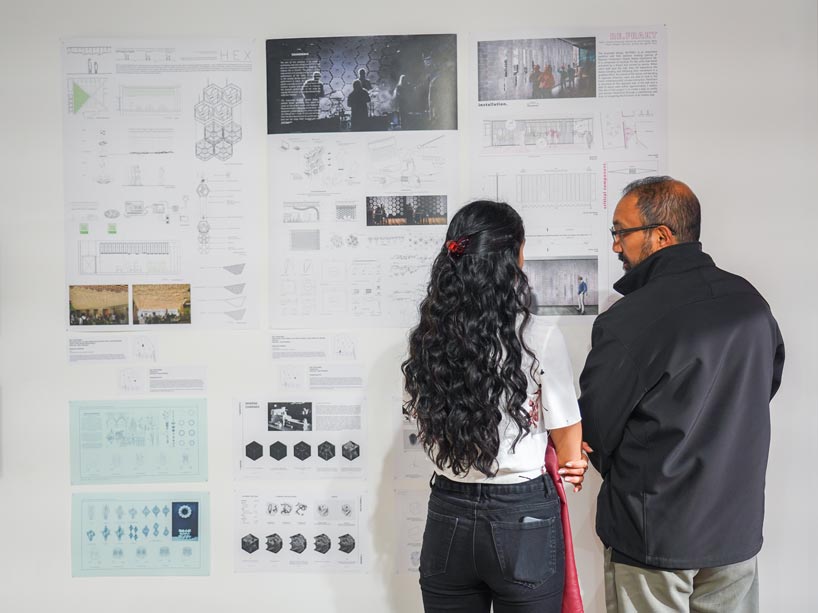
80	97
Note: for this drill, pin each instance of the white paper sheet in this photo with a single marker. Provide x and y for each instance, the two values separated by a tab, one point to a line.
312	436
410	521
160	154
290	531
562	154
357	213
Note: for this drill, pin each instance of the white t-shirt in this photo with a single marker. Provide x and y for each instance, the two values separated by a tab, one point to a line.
554	405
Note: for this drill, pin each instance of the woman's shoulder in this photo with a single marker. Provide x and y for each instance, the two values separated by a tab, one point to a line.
539	327
542	334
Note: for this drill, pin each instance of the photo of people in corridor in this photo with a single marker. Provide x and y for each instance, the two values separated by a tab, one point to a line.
536	69
563	286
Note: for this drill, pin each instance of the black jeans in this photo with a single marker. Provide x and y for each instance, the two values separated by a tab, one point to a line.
490	544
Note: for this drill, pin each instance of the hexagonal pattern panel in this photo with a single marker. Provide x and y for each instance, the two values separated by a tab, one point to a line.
278	451
254	450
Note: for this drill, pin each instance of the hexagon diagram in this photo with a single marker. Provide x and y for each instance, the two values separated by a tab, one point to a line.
346	543
326	451
322	543
218	113
302	450
298	543
254	450
274	543
350	450
249	543
278	451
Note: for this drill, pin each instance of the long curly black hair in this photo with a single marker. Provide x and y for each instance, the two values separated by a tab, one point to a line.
465	355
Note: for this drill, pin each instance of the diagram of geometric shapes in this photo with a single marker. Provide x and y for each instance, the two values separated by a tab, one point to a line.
213	133
322	543
236	315
563	188
302	450
345	212
204	150
298	543
223	113
212	93
88	50
237	288
232	133
643	167
80	97
128	257
202	190
150	100
278	451
231	94
249	543
236	302
326	450
254	450
301	212
203	112
223	150
274	543
350	450
346	543
305	240
87	95
538	133
235	269
135	208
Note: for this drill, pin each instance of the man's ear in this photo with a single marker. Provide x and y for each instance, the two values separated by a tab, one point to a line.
663	237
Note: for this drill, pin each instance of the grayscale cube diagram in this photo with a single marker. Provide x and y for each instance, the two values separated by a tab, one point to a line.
218	113
326	450
302	450
278	451
346	543
298	543
350	450
254	450
322	543
274	543
249	543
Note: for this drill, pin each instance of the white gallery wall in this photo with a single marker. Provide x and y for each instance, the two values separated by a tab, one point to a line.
742	131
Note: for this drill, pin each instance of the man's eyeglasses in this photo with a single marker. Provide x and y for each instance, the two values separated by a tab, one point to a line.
615	234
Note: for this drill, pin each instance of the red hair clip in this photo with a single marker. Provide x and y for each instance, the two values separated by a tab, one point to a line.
457	246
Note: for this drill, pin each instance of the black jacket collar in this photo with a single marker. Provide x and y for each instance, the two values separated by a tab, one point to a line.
670	260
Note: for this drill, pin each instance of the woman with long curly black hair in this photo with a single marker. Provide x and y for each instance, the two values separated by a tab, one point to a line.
487	383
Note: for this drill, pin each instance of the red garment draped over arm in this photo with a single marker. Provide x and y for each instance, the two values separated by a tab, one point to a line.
571	597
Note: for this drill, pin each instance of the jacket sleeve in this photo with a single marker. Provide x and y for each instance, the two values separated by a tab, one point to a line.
778	363
610	388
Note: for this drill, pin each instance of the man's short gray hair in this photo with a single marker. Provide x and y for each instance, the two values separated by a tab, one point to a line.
664	200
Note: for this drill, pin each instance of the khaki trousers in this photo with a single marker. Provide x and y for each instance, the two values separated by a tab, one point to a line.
723	589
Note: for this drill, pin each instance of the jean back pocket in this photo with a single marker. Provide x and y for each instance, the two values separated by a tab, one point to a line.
527	551
437	543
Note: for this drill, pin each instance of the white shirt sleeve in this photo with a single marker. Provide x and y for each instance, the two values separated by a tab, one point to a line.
559	399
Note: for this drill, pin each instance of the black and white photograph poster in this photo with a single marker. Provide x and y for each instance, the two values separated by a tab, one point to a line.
362	84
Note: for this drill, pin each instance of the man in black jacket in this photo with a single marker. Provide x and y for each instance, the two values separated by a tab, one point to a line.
676	409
